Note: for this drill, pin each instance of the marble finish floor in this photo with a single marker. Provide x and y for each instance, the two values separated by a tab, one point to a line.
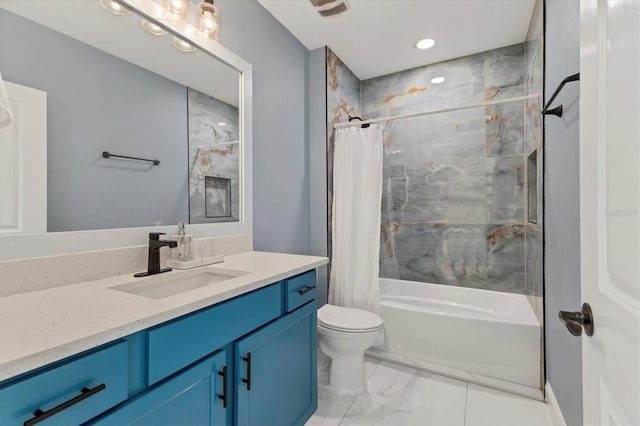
399	395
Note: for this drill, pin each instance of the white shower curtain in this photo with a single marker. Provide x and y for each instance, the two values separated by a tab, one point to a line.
357	194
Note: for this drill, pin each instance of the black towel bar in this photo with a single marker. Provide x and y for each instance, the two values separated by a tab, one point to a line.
106	154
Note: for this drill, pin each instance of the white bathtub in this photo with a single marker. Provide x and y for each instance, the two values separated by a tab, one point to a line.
487	337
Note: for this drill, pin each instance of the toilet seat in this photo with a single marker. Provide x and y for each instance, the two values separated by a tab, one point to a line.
348	320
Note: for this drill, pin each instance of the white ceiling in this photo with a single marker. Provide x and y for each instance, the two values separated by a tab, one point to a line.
377	37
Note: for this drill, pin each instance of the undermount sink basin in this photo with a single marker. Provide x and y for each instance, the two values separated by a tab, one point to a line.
159	287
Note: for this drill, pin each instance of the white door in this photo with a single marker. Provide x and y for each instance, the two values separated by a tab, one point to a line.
610	208
23	163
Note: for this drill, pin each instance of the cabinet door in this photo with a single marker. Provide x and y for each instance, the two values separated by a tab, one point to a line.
193	397
276	374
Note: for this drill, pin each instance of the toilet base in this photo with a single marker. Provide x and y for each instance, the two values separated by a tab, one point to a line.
346	354
346	375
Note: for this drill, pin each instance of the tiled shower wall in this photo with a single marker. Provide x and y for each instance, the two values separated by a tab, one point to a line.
454	184
453	203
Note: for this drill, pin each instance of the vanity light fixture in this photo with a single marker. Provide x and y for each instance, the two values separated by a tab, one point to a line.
115	7
176	9
437	80
152	28
208	22
182	45
426	43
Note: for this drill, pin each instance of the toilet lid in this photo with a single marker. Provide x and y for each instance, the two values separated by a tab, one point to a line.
348	319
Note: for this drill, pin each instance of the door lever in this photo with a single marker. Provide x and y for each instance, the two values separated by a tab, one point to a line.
578	320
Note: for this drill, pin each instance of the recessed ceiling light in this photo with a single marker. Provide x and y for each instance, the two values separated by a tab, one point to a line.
425	43
437	80
222	123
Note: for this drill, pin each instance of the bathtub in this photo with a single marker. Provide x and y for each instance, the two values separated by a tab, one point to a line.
480	336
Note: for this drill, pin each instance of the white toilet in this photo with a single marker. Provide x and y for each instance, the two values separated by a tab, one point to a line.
343	335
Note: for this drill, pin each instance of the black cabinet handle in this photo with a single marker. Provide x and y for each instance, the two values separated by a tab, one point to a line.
307	289
42	415
247	359
224	397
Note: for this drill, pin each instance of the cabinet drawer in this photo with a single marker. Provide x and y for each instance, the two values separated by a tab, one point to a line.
175	345
76	390
299	290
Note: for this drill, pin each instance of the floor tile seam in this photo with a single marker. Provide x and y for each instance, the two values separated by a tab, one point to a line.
353	401
466	404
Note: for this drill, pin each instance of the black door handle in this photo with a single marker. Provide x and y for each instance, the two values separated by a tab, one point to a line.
247	359
579	320
43	415
225	394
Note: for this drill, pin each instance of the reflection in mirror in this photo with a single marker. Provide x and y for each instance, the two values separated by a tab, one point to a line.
106	84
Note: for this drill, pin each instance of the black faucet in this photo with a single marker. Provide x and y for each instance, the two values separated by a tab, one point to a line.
154	254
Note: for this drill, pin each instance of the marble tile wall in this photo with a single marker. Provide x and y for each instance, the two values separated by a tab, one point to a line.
454	184
214	151
533	139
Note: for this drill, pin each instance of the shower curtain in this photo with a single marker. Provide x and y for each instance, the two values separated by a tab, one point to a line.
357	194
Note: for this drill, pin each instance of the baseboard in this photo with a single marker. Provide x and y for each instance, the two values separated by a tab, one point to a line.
554	409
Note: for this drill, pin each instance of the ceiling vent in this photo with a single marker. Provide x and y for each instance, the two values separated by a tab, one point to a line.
328	8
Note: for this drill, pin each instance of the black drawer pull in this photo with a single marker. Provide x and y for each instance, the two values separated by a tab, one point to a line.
42	415
224	397
247	359
307	289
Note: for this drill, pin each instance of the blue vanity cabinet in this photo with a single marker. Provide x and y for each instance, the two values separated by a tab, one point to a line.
248	360
199	395
276	374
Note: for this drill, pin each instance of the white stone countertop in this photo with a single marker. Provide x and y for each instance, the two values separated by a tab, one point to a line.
40	327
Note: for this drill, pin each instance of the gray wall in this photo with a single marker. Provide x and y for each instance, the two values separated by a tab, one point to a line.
97	102
280	145
562	208
318	162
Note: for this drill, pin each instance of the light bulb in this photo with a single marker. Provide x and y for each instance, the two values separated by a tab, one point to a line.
152	28
182	45
115	8
208	23
177	6
176	9
437	80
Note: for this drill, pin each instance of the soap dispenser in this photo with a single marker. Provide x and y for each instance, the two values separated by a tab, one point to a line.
183	251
